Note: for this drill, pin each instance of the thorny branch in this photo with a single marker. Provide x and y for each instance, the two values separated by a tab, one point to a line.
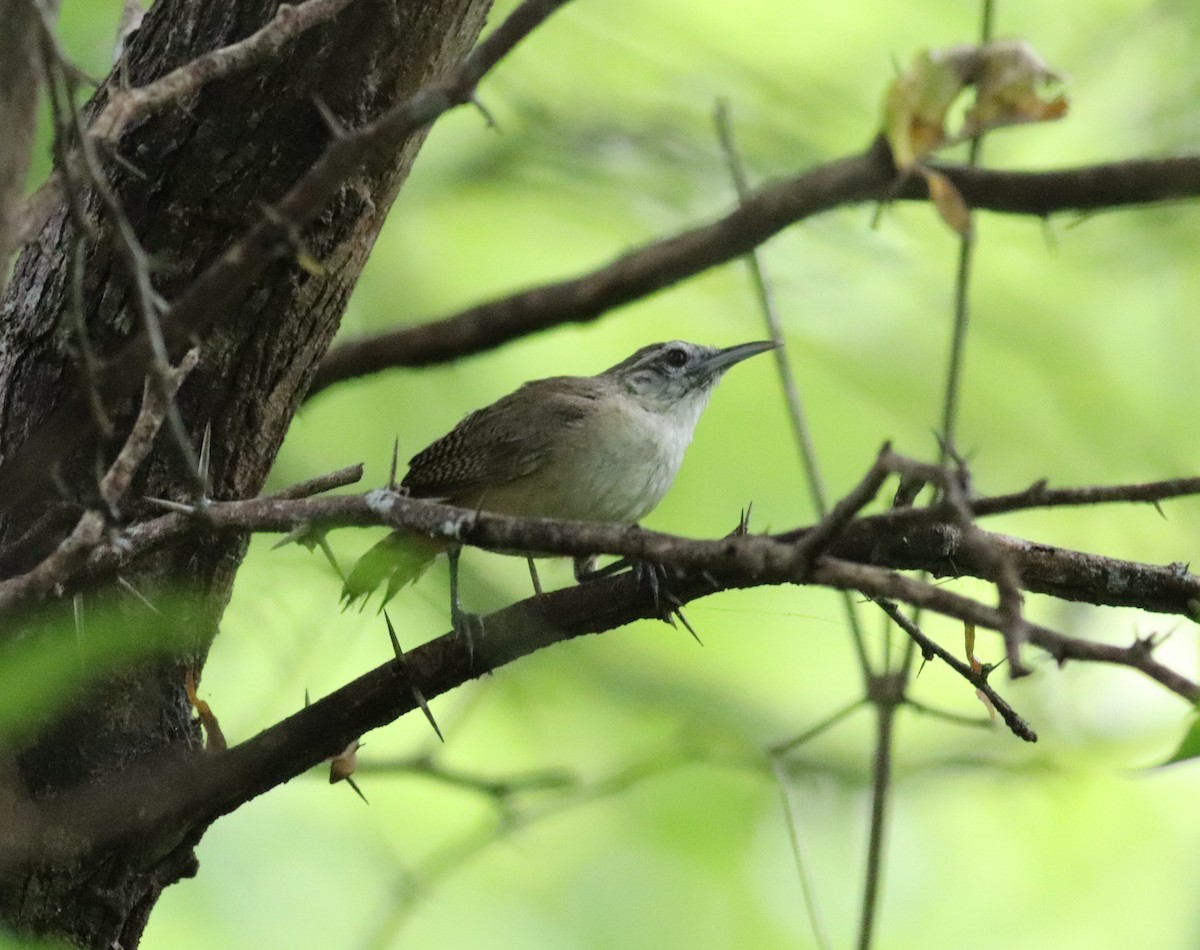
863	554
930	649
85	166
71	556
183	796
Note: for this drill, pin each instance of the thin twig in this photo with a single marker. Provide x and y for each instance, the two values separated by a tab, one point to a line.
125	106
930	649
787	379
807	887
881	782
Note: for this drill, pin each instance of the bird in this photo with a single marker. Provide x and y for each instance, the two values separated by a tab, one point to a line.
587	448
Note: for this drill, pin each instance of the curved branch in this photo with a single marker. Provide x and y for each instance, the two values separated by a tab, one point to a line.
865	177
653	267
181	796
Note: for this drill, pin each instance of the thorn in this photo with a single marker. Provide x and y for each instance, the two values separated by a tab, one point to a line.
395	641
298	535
358	791
134	170
202	464
323	543
678	611
310	537
533	576
395	463
307	701
176	506
158	301
77	609
420	698
403	664
342	766
137	593
487	116
332	123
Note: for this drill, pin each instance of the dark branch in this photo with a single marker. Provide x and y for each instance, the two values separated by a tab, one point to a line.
869	176
930	649
181	796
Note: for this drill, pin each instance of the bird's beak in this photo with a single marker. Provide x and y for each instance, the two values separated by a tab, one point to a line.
723	359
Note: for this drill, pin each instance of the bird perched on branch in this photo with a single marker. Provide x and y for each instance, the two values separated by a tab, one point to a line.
586	448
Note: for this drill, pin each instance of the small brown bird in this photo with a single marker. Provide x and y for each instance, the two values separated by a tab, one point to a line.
587	448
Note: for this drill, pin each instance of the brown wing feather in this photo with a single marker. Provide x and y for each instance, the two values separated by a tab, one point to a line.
501	442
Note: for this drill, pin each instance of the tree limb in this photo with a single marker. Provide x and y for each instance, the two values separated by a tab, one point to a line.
866	177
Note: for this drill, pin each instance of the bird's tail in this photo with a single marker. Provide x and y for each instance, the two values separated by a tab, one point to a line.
398	559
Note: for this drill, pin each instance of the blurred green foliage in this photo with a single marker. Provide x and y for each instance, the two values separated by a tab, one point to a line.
1080	368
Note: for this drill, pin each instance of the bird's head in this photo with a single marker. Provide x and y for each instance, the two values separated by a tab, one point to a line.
678	376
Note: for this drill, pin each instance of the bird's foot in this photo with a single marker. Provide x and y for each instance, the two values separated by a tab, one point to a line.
468	627
648	575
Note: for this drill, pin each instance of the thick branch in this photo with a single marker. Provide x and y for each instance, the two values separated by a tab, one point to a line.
912	539
180	797
18	112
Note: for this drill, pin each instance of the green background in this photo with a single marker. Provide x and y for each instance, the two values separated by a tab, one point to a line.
1080	368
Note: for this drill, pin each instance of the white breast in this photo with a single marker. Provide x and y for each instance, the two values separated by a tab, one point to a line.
624	460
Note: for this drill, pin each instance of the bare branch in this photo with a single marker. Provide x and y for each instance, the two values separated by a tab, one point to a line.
930	649
180	797
72	554
869	176
850	561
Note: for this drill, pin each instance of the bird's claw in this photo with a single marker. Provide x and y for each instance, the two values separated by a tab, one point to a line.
651	576
469	628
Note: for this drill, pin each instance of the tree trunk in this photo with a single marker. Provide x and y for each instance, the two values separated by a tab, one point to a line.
202	173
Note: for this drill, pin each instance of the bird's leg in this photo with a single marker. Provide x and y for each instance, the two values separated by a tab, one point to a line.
467	625
585	570
533	576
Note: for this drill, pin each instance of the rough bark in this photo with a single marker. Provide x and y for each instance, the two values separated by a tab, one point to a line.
18	109
204	171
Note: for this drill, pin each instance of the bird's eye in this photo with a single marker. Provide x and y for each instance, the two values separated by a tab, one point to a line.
675	358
